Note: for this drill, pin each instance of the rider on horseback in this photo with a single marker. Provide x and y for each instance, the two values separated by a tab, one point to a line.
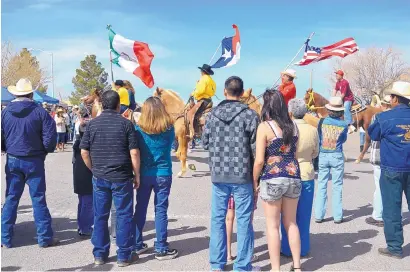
123	93
343	87
288	88
204	91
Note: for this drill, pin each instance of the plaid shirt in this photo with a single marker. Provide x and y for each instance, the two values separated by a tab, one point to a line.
375	150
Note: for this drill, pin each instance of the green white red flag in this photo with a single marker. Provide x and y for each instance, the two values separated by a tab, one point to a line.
133	56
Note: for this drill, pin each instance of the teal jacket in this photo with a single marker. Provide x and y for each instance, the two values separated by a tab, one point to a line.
155	150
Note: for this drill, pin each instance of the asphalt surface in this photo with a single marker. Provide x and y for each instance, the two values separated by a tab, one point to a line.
351	246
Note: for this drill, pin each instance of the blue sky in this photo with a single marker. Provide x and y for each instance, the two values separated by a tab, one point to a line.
185	34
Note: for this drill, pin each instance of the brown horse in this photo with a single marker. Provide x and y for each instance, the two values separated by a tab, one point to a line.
249	99
316	102
93	100
175	107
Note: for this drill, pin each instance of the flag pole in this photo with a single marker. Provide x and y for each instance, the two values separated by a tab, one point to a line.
290	63
216	51
112	73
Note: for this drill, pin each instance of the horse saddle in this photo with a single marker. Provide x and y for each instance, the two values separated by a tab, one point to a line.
191	116
356	108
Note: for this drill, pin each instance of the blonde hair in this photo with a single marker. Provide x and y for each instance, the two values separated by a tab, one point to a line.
154	119
128	86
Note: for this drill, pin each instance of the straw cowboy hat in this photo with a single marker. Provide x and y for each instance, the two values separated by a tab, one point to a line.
60	110
386	100
400	88
335	104
23	87
289	72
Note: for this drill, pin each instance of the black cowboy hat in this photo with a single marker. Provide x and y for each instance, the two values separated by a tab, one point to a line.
206	69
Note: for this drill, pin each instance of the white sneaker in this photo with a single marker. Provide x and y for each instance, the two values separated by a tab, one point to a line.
351	129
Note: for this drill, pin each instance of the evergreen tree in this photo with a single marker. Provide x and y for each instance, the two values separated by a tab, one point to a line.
90	76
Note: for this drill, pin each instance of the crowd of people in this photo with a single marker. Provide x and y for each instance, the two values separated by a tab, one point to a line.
250	157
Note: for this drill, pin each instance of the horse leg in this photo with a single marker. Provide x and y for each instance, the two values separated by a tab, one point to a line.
366	144
182	153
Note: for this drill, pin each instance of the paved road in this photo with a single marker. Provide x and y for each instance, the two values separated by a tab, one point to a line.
348	246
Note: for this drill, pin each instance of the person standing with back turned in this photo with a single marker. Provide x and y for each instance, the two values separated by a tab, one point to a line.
230	135
109	149
28	134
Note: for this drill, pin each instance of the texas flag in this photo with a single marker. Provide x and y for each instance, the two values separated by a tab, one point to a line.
231	51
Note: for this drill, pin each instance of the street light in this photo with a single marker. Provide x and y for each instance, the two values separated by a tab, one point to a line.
52	64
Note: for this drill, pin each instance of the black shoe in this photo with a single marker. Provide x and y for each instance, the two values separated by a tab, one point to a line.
338	221
167	255
52	243
386	252
99	261
133	259
142	250
374	222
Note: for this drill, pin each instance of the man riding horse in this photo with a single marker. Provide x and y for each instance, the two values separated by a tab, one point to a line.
204	91
288	88
343	90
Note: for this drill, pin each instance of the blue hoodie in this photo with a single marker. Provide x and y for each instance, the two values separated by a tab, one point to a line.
27	130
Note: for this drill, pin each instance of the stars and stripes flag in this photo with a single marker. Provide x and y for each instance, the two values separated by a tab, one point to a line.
340	49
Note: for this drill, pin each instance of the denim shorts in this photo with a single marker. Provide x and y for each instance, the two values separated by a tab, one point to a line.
276	188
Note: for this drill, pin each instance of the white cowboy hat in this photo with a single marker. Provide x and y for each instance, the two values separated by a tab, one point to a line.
400	88
289	72
23	87
335	104
386	100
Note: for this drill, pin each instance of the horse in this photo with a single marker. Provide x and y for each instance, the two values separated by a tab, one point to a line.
249	99
176	108
94	101
361	118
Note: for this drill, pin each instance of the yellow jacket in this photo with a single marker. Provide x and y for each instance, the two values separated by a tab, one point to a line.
124	97
205	88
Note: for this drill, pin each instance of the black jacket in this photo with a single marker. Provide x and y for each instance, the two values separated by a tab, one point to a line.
82	176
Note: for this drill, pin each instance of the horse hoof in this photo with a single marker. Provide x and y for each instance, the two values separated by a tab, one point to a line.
181	174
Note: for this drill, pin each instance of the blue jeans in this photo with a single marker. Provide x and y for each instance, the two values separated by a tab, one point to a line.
162	188
348	114
85	214
330	162
104	192
123	108
303	215
377	196
20	171
243	197
392	185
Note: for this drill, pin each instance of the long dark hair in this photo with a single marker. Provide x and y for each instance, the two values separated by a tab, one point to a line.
275	109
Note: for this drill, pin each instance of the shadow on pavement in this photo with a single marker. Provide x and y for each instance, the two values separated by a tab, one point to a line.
10	268
200	174
65	229
22	209
328	248
349	215
89	267
177	232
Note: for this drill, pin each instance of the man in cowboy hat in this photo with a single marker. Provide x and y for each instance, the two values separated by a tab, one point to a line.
288	88
28	134
332	135
377	219
343	90
392	129
204	91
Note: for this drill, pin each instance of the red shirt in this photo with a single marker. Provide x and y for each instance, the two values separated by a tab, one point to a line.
288	91
344	88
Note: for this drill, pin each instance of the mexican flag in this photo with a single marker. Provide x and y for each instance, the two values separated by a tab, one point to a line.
134	57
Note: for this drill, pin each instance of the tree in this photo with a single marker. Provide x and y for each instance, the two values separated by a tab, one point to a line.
22	65
90	76
372	71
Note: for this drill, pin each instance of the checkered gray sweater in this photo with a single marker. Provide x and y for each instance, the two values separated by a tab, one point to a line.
230	137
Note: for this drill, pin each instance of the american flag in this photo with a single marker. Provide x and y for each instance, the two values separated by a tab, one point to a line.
340	49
